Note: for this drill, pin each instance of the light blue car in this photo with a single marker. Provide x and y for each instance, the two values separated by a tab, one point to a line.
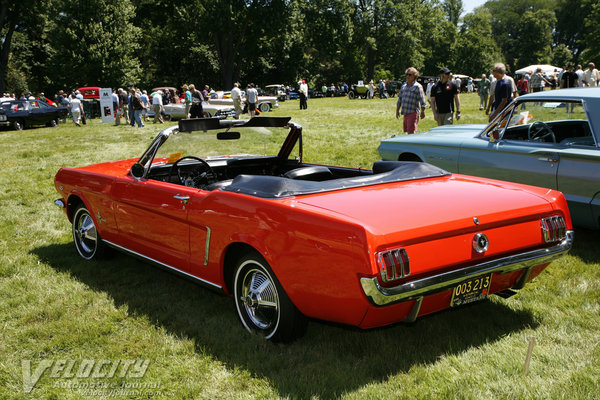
549	139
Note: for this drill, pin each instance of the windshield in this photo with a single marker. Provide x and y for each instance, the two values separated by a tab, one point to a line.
252	141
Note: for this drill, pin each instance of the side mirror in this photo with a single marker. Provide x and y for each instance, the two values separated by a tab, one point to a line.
228	135
137	170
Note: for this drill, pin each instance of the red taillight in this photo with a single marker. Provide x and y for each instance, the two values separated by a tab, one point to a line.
393	264
554	229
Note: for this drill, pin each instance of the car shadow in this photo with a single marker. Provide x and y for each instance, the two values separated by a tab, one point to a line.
585	245
327	362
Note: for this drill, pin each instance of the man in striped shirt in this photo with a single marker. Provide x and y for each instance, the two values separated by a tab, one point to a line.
411	100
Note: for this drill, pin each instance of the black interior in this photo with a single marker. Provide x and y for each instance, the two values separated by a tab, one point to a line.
272	177
573	132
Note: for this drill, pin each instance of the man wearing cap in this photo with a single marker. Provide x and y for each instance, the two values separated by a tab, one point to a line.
444	97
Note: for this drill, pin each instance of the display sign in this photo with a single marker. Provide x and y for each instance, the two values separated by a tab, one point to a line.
106	106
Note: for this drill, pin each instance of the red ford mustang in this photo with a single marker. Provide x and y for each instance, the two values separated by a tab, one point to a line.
290	240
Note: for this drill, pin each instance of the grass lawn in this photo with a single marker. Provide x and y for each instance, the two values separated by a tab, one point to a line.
55	306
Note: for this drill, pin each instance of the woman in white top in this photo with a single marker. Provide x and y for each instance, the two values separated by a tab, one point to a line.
76	109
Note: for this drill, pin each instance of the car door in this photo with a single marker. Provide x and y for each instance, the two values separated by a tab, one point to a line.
152	219
515	161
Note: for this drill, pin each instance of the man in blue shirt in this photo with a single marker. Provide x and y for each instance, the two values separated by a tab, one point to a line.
503	91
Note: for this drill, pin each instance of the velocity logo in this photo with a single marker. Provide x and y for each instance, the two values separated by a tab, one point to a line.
82	369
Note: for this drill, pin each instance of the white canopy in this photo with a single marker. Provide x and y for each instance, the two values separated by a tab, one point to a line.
546	69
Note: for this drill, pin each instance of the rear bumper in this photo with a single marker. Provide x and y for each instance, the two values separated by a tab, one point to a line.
417	289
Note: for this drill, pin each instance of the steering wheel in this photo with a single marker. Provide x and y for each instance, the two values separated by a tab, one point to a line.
540	133
197	176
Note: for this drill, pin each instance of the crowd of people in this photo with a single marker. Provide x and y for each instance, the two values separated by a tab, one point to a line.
495	91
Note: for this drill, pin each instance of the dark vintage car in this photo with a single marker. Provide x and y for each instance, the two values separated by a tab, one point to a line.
240	212
27	113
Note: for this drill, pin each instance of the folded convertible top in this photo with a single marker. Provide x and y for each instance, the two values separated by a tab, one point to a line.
205	124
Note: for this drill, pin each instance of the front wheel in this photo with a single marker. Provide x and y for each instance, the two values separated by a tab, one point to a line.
18	125
85	236
264	107
262	305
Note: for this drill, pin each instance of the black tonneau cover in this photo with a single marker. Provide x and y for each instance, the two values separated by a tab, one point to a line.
278	187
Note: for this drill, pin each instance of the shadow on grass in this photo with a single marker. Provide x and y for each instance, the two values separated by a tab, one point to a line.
327	362
585	245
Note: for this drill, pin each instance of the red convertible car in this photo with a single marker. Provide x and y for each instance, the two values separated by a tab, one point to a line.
289	240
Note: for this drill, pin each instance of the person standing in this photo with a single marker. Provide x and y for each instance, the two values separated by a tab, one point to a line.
115	101
122	109
591	77
502	91
138	107
579	73
251	98
157	106
145	102
411	100
371	89
444	96
187	99
537	81
76	109
484	91
523	86
196	110
569	79
236	96
303	93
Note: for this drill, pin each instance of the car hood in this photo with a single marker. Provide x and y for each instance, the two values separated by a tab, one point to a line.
417	208
441	132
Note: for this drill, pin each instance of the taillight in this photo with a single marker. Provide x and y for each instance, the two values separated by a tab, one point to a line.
393	264
554	229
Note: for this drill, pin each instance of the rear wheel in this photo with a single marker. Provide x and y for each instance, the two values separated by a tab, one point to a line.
262	305
85	236
53	123
351	95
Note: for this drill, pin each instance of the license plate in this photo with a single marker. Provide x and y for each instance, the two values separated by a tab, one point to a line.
474	289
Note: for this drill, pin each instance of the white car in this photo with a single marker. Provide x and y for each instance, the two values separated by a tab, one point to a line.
177	111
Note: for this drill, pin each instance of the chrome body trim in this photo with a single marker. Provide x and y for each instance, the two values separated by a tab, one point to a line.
135	253
382	296
59	203
207	245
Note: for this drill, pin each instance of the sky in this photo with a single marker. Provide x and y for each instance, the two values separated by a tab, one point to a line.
469	5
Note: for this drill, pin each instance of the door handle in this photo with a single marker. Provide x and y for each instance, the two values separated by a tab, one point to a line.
552	159
184	199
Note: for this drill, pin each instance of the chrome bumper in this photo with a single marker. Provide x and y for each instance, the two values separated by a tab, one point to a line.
383	296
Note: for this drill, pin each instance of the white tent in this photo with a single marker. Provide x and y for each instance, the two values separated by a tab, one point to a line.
546	69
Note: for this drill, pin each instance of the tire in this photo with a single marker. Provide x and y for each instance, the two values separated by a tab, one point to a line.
53	123
87	240
167	117
351	95
18	125
262	305
264	107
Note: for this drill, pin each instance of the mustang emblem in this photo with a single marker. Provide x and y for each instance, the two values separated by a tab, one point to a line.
480	242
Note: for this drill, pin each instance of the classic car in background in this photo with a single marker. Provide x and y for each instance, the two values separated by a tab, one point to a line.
177	111
28	113
278	91
289	240
359	91
263	103
549	139
90	92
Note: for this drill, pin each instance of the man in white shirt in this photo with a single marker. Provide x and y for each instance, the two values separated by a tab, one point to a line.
251	98
303	91
236	96
76	109
591	77
157	105
579	73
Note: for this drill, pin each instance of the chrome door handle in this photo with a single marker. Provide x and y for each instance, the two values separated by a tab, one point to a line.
184	199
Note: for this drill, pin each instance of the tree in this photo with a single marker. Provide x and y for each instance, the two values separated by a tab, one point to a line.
95	38
561	56
535	33
592	30
476	50
453	10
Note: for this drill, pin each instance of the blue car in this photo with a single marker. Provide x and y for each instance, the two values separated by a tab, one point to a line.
549	139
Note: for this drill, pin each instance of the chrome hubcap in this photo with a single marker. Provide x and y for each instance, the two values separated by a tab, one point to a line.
86	234
259	297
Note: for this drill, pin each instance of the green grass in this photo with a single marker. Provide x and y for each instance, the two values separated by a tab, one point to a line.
55	306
